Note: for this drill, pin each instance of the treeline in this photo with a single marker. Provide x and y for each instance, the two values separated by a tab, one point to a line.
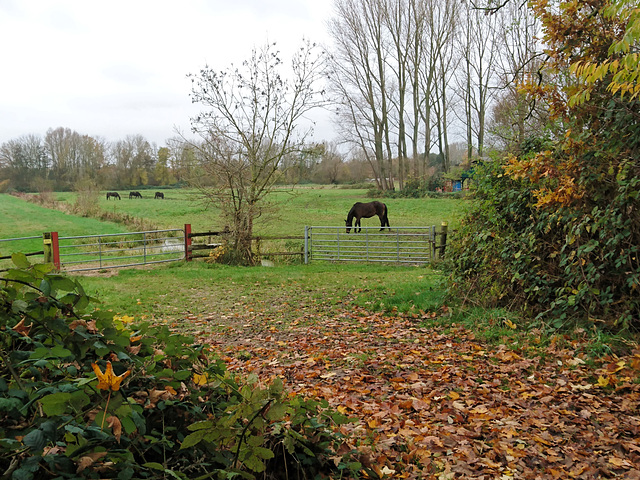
404	77
63	158
408	76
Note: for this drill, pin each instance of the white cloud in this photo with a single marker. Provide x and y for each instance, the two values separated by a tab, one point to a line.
116	68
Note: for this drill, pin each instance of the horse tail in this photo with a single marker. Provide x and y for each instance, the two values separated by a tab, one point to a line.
386	217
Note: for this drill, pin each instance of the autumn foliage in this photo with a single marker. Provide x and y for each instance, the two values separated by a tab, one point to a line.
85	394
556	227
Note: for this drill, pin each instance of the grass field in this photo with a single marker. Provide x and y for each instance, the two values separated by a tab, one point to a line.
200	287
290	210
19	218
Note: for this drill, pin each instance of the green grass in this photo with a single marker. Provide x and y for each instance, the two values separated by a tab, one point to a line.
180	206
176	290
203	290
19	218
289	212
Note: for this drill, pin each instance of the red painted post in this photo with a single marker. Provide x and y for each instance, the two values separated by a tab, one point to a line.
187	242
52	249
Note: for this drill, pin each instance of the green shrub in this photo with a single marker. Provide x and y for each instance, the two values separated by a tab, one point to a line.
178	413
574	263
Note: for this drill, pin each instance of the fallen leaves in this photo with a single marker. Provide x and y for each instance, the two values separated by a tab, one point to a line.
431	404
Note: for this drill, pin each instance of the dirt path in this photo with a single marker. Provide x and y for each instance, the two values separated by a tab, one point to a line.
431	404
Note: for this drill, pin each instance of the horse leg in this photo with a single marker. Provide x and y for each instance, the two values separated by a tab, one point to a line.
358	225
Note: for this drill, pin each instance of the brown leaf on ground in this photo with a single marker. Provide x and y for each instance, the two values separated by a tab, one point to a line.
436	404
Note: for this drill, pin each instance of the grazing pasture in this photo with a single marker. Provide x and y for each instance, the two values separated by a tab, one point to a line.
19	218
290	210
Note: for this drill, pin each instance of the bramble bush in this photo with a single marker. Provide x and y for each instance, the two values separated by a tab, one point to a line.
557	266
165	407
555	229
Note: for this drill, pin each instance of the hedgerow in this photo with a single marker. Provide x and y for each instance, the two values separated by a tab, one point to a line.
84	394
555	229
557	266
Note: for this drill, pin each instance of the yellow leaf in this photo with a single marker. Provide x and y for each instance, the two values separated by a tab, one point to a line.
123	318
108	379
200	380
342	409
603	382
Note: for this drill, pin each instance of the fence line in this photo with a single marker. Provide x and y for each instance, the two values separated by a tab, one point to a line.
408	245
27	249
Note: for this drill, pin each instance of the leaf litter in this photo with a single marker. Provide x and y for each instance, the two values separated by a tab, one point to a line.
430	402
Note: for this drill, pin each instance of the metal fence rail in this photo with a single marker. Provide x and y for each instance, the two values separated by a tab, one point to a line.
30	246
410	245
116	250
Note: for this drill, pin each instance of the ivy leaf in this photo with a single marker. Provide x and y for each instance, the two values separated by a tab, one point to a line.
20	260
35	440
55	403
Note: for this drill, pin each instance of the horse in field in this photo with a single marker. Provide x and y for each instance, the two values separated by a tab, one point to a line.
113	195
134	195
367	210
159	195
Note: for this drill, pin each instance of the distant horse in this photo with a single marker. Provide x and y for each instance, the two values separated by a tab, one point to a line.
367	210
114	195
159	195
134	195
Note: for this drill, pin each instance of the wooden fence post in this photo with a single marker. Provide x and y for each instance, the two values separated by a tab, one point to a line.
444	227
187	242
51	249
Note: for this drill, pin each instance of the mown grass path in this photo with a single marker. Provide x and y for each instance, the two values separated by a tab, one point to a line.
430	403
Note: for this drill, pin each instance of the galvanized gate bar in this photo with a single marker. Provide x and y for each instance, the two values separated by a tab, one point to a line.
410	245
116	250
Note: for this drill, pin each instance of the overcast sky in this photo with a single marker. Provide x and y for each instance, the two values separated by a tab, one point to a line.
117	68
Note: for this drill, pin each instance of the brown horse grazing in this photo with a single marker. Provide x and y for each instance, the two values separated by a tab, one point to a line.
114	195
367	210
159	195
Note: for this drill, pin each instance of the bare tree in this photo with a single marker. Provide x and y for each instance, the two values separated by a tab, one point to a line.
401	24
359	81
479	48
442	32
23	161
513	119
252	120
63	148
134	160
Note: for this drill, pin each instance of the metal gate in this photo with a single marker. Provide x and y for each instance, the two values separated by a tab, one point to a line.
410	245
116	250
